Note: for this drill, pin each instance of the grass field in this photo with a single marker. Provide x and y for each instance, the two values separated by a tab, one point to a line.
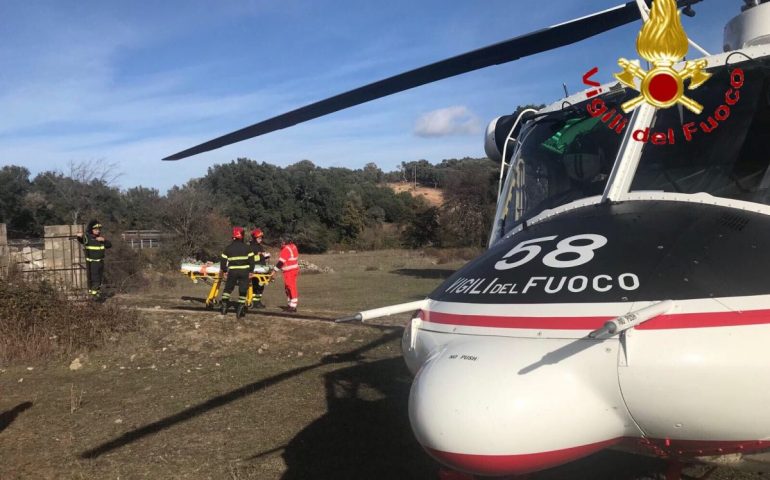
193	395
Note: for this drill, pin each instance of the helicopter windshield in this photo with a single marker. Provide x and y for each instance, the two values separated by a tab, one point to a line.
724	150
563	156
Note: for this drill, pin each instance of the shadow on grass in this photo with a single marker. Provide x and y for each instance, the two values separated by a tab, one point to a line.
424	272
194	299
7	417
365	432
252	311
231	396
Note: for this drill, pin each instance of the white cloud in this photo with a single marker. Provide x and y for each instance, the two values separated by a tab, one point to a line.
457	120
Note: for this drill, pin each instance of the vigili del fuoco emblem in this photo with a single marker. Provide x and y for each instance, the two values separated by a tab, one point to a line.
663	42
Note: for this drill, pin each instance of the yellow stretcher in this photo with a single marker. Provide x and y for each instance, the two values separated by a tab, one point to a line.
209	273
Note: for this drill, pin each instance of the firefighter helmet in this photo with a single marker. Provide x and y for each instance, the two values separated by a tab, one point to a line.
256	233
238	233
92	225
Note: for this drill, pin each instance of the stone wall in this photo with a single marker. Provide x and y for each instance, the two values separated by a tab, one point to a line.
63	256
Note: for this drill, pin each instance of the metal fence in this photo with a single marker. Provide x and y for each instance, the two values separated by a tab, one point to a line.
142	239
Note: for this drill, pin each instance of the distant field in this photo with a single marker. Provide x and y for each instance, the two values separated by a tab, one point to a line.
434	196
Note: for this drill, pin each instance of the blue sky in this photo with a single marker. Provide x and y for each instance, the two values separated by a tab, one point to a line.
132	82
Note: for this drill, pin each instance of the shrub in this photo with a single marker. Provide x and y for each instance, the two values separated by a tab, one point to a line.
124	267
38	322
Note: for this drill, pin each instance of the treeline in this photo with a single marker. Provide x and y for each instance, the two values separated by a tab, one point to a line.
320	207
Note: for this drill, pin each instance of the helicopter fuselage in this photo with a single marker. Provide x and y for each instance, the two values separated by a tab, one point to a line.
508	380
543	350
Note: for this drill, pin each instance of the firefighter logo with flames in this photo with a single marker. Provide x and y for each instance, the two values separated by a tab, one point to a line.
662	42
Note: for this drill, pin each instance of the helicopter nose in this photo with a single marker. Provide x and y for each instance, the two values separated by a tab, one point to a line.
500	406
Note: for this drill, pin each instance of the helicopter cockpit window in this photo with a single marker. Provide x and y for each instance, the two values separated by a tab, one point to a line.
724	150
564	156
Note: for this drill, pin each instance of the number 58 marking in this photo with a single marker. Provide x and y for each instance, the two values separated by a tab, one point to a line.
555	259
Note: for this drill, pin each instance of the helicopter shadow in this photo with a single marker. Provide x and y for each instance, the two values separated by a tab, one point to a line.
561	353
218	401
7	417
365	432
193	299
263	313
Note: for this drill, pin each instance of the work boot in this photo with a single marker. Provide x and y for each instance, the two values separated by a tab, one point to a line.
241	311
258	304
225	304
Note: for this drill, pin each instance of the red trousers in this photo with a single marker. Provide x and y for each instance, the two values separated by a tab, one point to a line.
290	286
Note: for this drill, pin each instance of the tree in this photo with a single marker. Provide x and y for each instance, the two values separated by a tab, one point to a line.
85	192
353	216
198	229
424	229
14	187
372	173
421	172
141	208
469	203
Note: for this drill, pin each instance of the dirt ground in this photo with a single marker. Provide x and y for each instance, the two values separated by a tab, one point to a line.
194	395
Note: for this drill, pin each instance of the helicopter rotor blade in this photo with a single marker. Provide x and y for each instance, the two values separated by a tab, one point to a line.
525	45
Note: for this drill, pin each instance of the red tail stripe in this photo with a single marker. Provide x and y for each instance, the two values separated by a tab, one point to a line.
681	320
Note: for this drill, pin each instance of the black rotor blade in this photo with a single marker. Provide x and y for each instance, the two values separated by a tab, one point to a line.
506	51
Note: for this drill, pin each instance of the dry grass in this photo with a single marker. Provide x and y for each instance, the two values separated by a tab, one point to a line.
38	322
433	196
445	256
76	399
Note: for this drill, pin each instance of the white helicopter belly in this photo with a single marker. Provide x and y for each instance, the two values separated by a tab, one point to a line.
536	415
678	382
492	396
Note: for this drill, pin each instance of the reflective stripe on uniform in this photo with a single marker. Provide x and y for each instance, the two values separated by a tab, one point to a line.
101	247
238	267
233	259
93	259
290	267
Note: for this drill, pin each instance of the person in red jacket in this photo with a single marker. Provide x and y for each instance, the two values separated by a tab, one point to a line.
288	263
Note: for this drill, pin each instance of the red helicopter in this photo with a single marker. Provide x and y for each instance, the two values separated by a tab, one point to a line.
623	300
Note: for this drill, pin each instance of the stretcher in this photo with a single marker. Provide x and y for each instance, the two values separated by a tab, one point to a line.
209	274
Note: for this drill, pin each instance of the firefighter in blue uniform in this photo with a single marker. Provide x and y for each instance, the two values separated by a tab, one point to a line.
95	245
237	265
